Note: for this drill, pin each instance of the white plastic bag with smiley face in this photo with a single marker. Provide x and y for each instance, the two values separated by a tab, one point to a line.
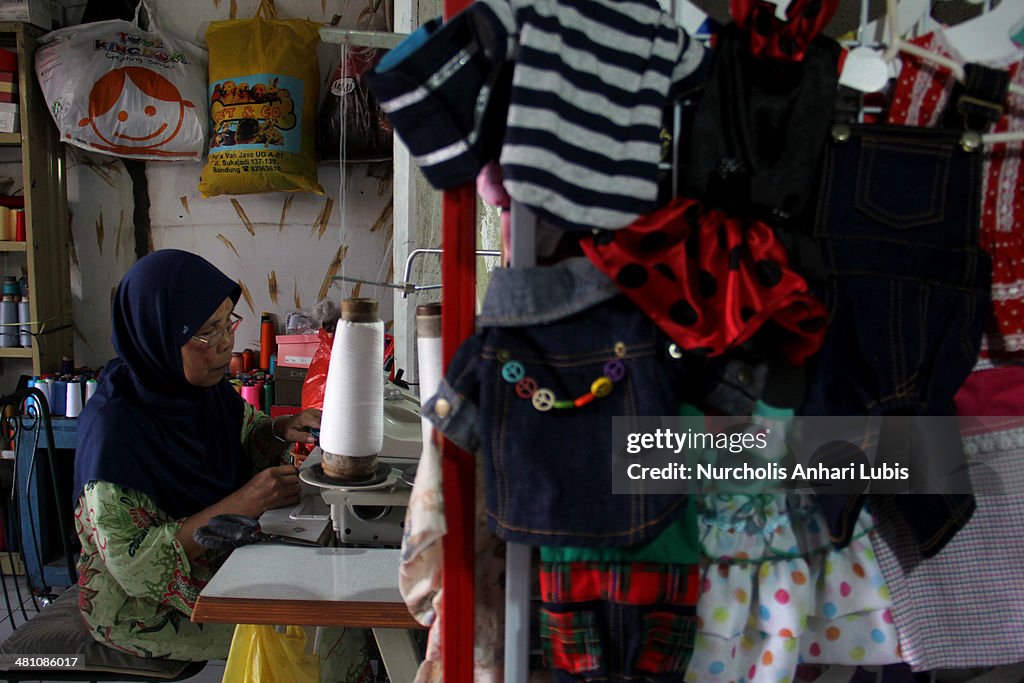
117	89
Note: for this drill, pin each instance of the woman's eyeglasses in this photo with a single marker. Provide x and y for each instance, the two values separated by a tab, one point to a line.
212	339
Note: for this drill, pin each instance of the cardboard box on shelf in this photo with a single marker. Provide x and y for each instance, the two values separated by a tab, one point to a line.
296	350
10	118
11	563
42	13
288	386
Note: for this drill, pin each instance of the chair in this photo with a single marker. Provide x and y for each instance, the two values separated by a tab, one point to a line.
58	629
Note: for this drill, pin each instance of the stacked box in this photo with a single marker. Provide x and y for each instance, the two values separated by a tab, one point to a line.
10	119
288	386
8	87
296	350
45	14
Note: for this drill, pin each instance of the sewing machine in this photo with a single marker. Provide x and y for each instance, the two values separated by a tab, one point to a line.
371	513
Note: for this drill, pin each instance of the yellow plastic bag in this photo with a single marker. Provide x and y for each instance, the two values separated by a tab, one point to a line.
259	654
264	85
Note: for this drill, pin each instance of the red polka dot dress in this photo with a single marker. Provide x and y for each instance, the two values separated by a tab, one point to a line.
921	95
710	281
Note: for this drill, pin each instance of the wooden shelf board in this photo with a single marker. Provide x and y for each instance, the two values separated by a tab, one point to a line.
15	352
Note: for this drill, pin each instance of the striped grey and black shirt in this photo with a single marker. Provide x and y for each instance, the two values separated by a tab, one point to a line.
590	83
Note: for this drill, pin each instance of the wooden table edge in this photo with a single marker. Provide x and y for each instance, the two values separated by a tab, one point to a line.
220	610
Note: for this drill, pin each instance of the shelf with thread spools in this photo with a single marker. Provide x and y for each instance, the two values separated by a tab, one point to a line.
43	258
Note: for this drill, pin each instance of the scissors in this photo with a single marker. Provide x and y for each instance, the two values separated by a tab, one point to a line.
225	532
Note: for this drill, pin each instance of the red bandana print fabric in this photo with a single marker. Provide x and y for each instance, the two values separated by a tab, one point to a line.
784	41
709	280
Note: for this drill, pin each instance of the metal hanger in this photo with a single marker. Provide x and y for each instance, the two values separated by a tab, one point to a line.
405	285
897	44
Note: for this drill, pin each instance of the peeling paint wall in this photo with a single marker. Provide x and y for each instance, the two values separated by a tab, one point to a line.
283	248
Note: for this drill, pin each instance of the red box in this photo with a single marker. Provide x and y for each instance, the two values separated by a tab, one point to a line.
278	411
8	60
296	350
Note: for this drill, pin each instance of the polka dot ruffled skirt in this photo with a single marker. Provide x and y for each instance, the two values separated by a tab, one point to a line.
776	594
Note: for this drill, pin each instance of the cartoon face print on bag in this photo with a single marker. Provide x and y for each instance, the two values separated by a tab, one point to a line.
134	110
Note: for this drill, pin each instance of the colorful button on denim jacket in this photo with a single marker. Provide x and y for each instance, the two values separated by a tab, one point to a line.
560	353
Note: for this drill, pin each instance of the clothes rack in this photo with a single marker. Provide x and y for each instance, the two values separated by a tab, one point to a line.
458	274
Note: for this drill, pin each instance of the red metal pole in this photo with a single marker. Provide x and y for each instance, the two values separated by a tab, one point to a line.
458	278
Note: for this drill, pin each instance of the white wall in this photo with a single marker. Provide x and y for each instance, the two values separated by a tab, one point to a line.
101	203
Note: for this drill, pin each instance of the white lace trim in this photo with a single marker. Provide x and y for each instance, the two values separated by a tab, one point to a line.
1011	439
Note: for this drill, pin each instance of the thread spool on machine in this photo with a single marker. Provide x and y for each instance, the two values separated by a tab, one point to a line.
350	461
369	438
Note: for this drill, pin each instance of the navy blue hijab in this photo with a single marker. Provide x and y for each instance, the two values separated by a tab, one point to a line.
147	428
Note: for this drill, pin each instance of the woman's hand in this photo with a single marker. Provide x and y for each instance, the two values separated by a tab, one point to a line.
295	428
271	488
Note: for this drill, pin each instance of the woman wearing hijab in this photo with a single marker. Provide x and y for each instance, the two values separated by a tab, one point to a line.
164	445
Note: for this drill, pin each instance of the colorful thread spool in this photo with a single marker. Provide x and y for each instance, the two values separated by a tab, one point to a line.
58	397
251	395
268	332
73	399
8	321
24	320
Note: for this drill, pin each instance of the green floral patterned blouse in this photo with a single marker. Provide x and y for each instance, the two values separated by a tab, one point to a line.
137	587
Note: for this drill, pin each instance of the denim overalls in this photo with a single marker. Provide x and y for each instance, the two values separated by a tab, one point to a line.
908	294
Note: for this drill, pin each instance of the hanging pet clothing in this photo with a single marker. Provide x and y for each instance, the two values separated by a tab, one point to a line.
710	281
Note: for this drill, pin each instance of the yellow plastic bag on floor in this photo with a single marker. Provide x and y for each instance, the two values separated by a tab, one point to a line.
264	85
259	654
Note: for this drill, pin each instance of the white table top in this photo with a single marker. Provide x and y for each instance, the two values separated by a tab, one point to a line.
281	572
270	583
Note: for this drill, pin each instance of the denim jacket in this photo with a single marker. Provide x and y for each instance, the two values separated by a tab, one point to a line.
549	472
